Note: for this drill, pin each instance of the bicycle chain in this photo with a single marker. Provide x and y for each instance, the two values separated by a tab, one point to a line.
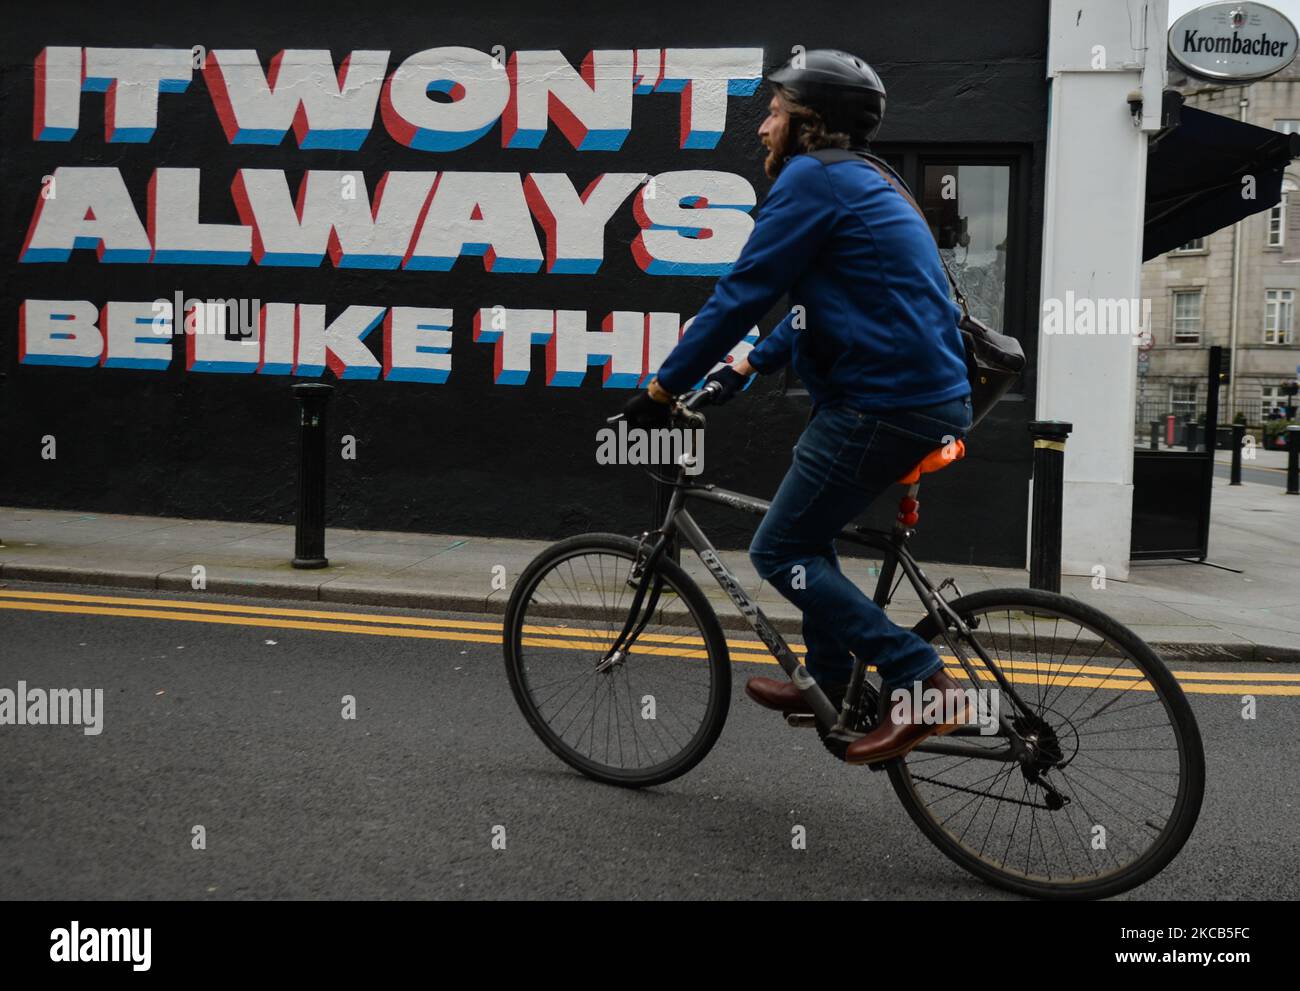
986	794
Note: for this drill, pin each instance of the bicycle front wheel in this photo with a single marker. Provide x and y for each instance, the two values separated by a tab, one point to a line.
650	715
1118	775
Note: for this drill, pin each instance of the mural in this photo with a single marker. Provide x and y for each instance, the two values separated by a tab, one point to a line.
691	222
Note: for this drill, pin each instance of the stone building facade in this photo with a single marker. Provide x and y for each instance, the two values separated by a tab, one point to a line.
1191	289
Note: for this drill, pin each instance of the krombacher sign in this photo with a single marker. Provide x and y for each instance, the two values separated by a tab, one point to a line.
1233	42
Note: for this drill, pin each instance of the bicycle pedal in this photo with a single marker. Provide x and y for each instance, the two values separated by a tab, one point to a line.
800	720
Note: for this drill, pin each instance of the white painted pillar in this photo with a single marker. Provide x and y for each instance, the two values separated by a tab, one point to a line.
1099	51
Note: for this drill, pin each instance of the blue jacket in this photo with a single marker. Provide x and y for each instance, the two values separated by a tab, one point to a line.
878	328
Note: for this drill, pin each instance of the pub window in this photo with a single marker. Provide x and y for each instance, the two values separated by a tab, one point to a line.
967	207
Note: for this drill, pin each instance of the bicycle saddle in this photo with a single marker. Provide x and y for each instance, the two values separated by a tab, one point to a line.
936	460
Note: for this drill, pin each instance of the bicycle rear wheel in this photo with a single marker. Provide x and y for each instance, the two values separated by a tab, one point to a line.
1116	785
644	719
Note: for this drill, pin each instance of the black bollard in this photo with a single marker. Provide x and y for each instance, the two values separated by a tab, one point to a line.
1155	435
1191	436
1293	459
1049	494
1238	438
309	527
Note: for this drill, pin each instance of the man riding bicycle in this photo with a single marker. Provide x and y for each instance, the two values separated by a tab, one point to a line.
873	335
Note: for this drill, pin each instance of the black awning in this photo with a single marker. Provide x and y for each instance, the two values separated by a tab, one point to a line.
1195	172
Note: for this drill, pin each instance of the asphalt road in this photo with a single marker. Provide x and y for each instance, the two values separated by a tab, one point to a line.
238	729
1275	477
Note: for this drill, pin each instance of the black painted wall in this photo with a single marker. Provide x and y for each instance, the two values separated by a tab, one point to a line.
468	456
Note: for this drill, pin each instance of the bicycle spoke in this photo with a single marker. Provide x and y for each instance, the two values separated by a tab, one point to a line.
1104	742
582	604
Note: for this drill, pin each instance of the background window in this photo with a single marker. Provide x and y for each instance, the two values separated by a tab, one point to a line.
1277	223
1187	317
1196	244
1278	304
1182	400
1287	126
1277	215
1270	398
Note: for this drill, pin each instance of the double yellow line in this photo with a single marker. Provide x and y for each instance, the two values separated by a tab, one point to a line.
563	636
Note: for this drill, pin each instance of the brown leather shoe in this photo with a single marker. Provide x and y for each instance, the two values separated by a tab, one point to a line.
784	697
894	738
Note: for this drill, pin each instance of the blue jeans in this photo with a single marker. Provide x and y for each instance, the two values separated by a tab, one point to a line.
844	459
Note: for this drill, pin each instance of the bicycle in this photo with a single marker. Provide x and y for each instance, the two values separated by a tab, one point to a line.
572	644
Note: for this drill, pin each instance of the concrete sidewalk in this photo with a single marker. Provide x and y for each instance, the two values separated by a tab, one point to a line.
1187	610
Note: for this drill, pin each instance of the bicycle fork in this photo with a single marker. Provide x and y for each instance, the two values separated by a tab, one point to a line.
642	608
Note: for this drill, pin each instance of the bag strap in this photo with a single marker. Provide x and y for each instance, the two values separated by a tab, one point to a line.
829	155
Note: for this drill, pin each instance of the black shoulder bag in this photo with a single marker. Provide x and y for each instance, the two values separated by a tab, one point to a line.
993	361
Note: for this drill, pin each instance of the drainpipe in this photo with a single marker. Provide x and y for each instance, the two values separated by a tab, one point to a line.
1234	371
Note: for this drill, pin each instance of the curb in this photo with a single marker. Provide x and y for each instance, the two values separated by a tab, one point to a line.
495	604
255	588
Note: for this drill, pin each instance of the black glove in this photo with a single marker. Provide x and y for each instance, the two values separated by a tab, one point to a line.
730	380
644	412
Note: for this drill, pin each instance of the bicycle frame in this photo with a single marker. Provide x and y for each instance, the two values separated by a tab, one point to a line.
893	548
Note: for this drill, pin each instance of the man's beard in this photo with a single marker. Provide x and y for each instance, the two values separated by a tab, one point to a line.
777	156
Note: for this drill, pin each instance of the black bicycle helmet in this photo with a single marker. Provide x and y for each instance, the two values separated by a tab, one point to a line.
842	88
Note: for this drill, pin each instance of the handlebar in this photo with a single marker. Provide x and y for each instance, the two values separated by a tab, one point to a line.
687	403
691	401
